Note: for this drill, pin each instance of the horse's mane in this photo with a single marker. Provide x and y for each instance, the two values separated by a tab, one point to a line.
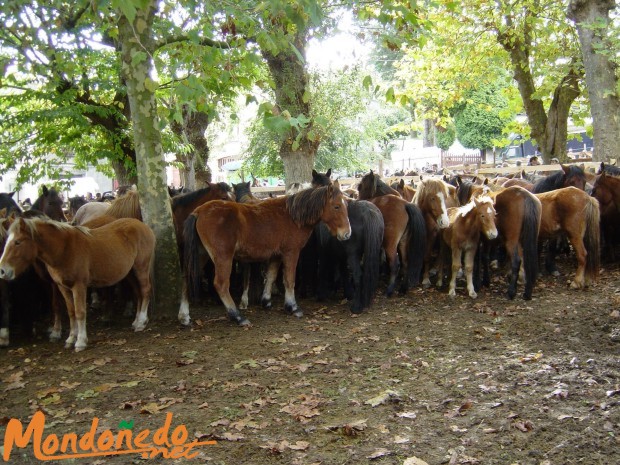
469	206
126	206
32	225
184	200
429	187
306	206
7	201
376	185
556	180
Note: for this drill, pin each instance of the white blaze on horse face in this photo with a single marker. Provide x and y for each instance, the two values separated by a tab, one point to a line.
491	233
346	235
443	221
6	271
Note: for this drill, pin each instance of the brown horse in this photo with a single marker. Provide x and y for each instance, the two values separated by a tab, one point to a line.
573	212
404	237
431	197
463	235
77	258
606	190
50	203
273	230
372	186
404	190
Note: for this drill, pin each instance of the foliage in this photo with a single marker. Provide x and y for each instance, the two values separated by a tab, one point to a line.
445	137
478	119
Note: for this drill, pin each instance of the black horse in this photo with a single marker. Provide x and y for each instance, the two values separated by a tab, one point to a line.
571	175
357	261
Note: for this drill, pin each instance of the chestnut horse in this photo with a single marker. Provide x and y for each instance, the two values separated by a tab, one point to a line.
273	230
463	235
404	190
431	197
573	212
77	258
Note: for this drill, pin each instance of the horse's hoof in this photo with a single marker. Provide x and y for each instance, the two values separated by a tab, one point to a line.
574	285
473	295
185	320
266	303
527	296
79	348
426	284
298	313
555	273
4	342
244	322
68	345
54	337
138	328
452	294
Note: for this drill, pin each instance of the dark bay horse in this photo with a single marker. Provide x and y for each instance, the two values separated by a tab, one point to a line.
462	236
50	203
571	175
606	190
321	179
77	258
274	230
573	212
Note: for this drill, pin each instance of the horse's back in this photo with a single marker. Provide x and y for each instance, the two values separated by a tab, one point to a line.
89	211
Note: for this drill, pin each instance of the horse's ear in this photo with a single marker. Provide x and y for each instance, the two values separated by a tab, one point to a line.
330	190
315	174
371	172
476	203
329	173
11	194
402	183
485	182
44	190
602	168
565	168
336	184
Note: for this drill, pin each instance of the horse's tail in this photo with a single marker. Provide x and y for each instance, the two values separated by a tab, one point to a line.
191	257
373	242
417	243
529	237
592	238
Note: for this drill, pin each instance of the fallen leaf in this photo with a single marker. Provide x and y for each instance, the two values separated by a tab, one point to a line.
231	437
524	426
414	461
383	398
410	415
377	454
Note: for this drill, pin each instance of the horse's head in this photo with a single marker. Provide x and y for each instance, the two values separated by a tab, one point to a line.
367	186
335	214
222	191
320	179
50	202
574	176
486	215
431	196
20	250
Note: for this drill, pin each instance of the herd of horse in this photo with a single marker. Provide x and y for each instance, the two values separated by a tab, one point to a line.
321	238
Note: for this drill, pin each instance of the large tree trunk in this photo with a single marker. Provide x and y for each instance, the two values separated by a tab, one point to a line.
137	52
195	172
291	81
593	26
549	131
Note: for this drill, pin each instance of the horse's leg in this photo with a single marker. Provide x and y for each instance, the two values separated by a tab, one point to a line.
79	302
353	260
440	262
470	256
223	268
289	264
403	245
5	302
73	330
272	273
576	241
56	331
515	267
550	257
391	255
245	270
456	266
141	279
431	236
183	315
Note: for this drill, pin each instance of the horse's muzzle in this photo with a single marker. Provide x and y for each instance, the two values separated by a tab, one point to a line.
344	236
7	273
491	234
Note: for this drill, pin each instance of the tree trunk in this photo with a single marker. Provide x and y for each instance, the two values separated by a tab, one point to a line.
193	130
291	88
557	120
137	65
428	137
593	26
549	131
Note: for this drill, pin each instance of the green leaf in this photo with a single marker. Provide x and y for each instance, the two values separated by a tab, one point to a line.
367	82
389	95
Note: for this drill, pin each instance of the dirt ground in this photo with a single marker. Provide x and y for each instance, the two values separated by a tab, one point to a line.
446	381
